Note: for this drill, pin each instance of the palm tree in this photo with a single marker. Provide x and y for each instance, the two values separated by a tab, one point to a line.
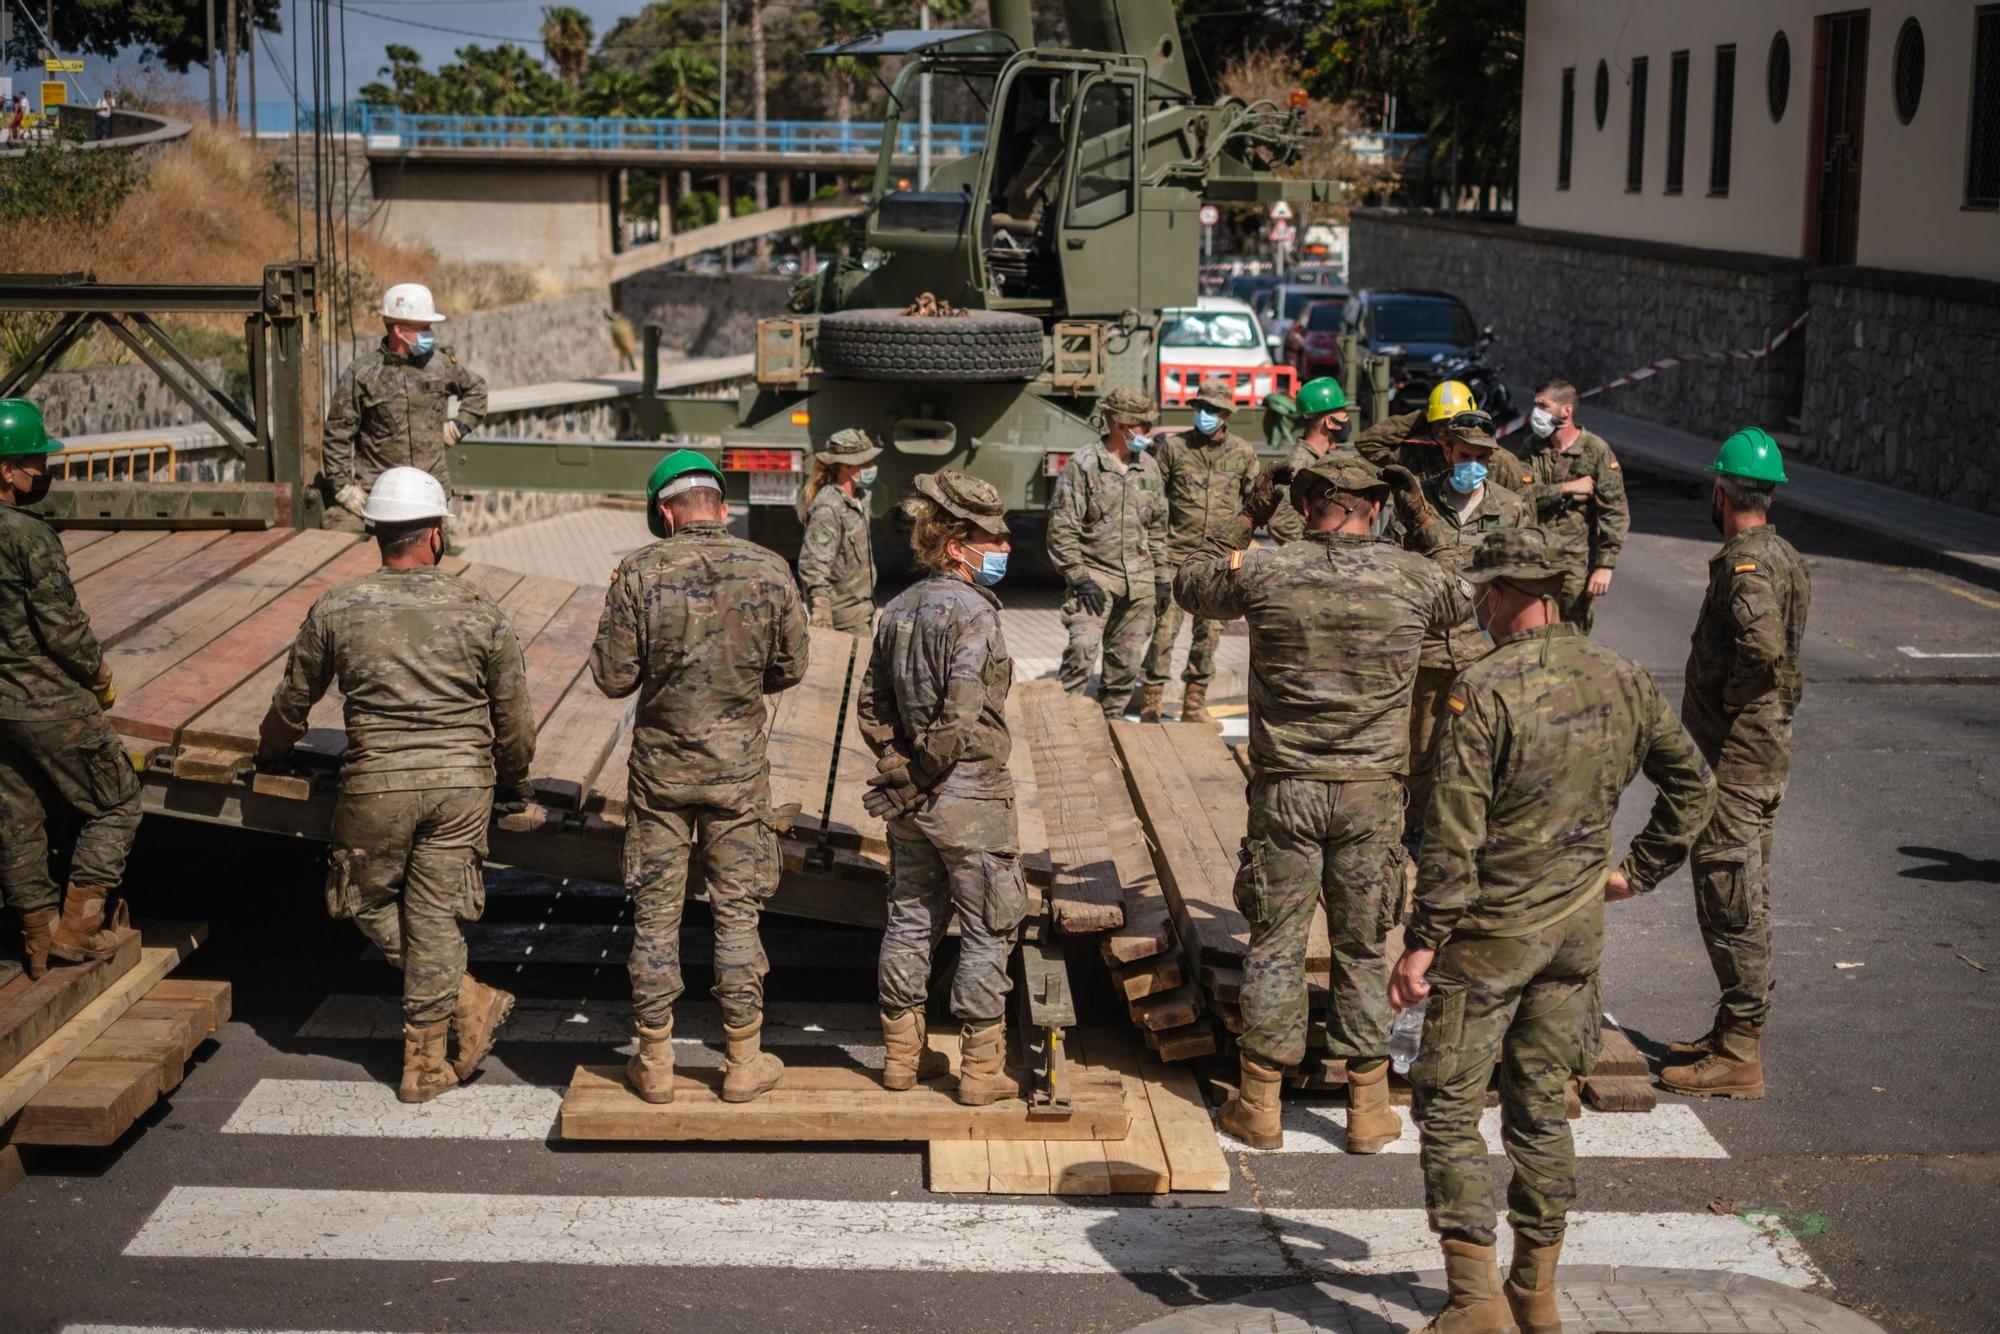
684	83
618	92
566	37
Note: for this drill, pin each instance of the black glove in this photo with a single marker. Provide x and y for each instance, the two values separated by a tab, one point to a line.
1265	493
1413	511
515	801
1163	596
1089	596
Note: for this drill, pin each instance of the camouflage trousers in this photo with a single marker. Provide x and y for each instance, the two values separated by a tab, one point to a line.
1124	633
75	762
1579	608
958	854
405	868
1312	841
1427	715
1202	642
1529	1003
1732	896
729	824
855	618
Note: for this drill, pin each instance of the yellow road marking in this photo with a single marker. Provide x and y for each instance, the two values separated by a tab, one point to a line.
1948	586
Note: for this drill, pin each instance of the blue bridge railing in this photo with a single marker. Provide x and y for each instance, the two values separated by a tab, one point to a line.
384	127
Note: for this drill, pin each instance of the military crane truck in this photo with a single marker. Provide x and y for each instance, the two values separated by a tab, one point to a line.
1049	254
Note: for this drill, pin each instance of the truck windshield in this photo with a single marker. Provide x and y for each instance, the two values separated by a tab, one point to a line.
1209	328
1421	320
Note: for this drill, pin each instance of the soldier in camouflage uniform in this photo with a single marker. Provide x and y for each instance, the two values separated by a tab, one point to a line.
1207	473
1107	535
1505	937
702	626
391	409
56	749
1337	625
837	555
1744	682
435	702
1322	416
933	708
1578	495
1420	439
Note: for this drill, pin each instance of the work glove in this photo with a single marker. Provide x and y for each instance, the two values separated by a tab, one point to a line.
822	614
453	432
350	498
1089	596
1265	493
104	688
894	788
1413	511
1163	597
515	801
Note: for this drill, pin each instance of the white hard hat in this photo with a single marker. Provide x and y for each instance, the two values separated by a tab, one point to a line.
411	302
405	495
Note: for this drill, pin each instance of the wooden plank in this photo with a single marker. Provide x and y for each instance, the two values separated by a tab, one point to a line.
1136	1164
492	580
801	750
1184	1044
212	997
1194	1156
530	604
76	539
957	1166
1084	891
1617	1056
164	945
1080	1167
88	1104
1028	800
556	656
11	1171
608	794
31	1012
115	615
180	664
1017	1167
114	548
817	1103
1148	977
164	1044
143	565
847	820
577	741
1207	921
1621	1093
1167	1009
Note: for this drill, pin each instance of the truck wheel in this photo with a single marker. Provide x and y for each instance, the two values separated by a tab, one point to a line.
980	345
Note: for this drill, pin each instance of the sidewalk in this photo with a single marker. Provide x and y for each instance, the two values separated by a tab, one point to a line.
1594	1299
1960	541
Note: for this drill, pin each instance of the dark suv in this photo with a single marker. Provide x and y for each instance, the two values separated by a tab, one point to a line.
1428	336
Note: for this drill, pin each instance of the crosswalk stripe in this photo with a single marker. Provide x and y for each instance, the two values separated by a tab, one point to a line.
370	1110
1670	1130
857	1029
227	1222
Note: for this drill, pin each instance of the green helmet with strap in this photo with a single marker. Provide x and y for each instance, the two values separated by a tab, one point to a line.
22	430
677	472
1321	395
1751	455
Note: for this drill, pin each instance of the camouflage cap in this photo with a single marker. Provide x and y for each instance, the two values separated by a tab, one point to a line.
1468	435
1126	406
852	446
966	498
1515	553
1345	472
1218	393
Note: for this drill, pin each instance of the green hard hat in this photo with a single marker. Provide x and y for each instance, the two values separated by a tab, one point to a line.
1321	395
22	430
672	468
1750	455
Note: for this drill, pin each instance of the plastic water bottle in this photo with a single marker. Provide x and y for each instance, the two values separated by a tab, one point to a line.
1406	1036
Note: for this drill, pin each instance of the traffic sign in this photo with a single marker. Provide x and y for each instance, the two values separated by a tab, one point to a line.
1210	215
55	93
1281	232
1281	210
63	66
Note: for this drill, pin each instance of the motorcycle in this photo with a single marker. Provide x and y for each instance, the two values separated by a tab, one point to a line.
1471	368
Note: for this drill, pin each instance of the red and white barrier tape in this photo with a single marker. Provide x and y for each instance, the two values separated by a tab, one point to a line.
1647	372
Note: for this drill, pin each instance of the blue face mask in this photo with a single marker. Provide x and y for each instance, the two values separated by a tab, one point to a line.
992	568
1467	477
1208	423
866	477
1139	444
421	345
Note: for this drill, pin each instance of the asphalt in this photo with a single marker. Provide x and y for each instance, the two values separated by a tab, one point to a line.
1877	1149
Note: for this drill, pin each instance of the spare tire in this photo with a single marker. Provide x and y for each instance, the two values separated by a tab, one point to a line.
889	345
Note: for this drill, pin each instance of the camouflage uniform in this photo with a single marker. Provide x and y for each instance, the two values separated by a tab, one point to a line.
703	626
55	745
1744	683
1108	522
1450	541
1408	439
435	702
1205	479
1545	732
389	410
1287	524
1588	530
1336	626
837	559
936	690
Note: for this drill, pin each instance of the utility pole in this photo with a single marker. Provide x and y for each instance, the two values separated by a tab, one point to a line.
250	61
229	45
924	111
211	61
722	95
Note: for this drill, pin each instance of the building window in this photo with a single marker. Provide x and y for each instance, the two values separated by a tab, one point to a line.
1725	120
1677	120
1778	76
1602	93
1635	143
1568	139
1982	140
1909	70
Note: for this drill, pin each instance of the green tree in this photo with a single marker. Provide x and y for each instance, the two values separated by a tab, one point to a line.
566	37
615	91
173	32
683	83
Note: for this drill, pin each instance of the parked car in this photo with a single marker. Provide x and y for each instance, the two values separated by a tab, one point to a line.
1215	333
1313	342
1428	336
1277	306
1246	286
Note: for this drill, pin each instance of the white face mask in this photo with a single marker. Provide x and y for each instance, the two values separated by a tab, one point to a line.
1542	422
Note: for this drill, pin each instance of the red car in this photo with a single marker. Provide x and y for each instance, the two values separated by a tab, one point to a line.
1313	342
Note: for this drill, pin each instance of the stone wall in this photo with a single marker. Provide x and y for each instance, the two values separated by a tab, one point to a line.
102	399
702	315
1898	379
1589	308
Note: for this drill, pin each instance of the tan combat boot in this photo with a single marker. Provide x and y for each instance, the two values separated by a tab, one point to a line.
1194	703
1687	1053
907	1061
81	934
476	1018
1735	1069
1252	1115
752	1070
1371	1122
650	1072
1150	701
425	1074
1531	1288
37	928
1474	1303
982	1065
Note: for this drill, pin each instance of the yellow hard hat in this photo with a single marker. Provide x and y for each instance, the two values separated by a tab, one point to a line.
1448	400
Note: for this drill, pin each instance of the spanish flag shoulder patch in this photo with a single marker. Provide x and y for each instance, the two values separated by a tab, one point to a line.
1745	567
1456	703
1613	465
1235	560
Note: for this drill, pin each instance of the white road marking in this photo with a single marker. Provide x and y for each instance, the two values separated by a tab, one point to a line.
222	1222
1668	1131
368	1110
1910	652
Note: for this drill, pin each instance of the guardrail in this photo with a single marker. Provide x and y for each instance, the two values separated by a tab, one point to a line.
388	128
